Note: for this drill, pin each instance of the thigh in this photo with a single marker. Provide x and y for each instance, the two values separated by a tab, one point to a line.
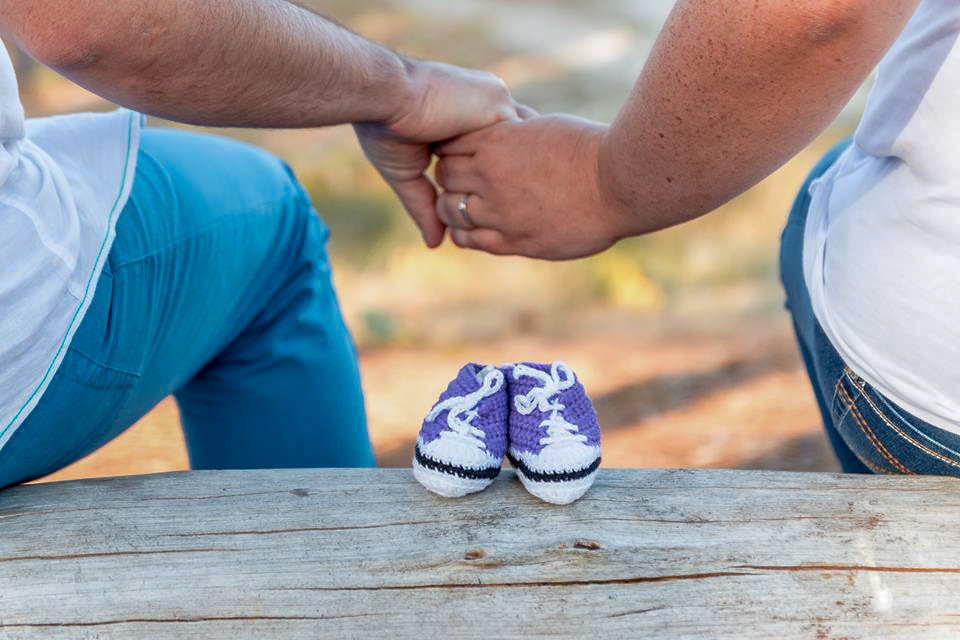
286	392
252	341
245	324
822	364
81	404
868	432
212	234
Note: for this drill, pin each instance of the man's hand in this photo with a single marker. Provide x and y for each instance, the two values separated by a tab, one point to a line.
264	63
532	189
445	102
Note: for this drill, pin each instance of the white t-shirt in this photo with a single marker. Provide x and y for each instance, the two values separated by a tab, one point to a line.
882	243
63	182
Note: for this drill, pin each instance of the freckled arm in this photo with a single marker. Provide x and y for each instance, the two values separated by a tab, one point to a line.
732	90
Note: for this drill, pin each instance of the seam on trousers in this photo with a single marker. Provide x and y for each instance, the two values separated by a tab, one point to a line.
45	380
186	236
96	362
906	437
67	458
833	401
868	432
876	469
843	414
846	412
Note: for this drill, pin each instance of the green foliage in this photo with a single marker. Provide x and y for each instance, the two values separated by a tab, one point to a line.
379	328
361	225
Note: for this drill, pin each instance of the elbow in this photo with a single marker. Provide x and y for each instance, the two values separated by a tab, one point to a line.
65	52
829	21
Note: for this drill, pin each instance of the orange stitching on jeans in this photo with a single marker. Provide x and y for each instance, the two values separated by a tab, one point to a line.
903	435
869	433
838	394
875	467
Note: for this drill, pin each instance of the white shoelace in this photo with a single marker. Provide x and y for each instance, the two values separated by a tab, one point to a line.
462	410
542	398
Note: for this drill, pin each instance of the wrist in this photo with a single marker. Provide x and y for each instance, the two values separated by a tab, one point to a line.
394	91
406	94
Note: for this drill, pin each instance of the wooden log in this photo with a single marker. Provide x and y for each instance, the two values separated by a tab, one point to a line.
344	554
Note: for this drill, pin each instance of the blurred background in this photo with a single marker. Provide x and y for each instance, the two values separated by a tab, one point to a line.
680	337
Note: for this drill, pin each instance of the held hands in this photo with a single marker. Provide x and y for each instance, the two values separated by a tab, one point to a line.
528	187
515	183
440	102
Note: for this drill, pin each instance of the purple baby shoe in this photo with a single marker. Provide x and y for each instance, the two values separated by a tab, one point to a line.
464	437
554	434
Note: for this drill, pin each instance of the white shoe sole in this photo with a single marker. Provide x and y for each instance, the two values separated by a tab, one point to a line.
559	493
447	485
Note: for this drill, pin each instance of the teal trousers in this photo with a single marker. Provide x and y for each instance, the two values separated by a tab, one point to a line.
218	291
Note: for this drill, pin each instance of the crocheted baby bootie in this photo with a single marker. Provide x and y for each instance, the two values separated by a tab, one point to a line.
464	437
554	434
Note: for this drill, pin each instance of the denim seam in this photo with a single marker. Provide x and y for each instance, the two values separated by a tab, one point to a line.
876	440
906	425
844	415
186	236
903	435
107	367
876	468
836	396
868	432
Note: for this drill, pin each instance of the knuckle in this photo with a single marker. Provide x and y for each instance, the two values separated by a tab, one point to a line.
443	210
497	246
449	203
496	80
496	85
487	171
490	246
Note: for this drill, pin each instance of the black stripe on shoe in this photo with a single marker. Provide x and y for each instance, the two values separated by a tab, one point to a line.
553	476
488	473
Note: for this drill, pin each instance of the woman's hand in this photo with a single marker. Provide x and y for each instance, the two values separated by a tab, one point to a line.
532	188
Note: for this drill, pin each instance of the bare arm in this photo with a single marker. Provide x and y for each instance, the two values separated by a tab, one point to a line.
229	62
732	90
264	63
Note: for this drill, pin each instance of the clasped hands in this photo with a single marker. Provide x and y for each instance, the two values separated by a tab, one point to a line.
512	182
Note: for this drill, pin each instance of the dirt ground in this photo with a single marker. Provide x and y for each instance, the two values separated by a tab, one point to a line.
668	395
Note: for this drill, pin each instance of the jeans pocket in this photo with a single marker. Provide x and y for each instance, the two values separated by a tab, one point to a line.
887	438
73	418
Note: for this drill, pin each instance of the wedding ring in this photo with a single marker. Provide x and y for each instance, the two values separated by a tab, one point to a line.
462	208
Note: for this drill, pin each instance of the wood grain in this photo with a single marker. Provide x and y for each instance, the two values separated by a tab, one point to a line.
341	554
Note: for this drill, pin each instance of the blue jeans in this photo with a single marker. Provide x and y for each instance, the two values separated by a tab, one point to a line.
217	290
869	433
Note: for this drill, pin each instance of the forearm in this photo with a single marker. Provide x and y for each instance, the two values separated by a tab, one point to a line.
733	89
260	63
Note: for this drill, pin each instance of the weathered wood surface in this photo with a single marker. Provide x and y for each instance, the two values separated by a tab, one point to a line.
343	554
